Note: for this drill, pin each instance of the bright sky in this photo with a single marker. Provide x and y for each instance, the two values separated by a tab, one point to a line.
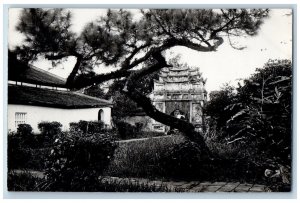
274	41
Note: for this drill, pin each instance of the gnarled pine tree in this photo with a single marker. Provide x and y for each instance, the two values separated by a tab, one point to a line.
134	46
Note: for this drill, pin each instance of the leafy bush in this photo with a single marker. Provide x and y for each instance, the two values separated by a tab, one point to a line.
21	155
50	130
17	155
126	130
76	161
22	149
87	126
38	158
235	162
24	130
27	138
258	114
184	160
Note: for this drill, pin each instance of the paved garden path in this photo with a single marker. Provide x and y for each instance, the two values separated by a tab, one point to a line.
191	186
178	186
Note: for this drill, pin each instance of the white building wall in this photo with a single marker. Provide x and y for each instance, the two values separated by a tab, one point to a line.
36	114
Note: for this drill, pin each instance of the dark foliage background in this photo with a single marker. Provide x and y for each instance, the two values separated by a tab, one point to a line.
256	115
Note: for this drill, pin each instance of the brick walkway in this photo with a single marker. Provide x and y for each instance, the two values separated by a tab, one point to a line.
192	186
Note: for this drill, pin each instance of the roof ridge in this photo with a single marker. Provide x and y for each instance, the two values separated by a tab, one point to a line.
91	97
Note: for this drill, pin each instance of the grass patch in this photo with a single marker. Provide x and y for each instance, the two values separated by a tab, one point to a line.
141	158
147	159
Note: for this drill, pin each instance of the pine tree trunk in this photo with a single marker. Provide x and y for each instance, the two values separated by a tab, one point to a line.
142	100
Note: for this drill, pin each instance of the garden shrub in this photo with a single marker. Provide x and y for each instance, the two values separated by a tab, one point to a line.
184	160
24	130
22	147
254	120
76	161
38	158
126	130
129	131
50	130
17	155
87	126
236	161
21	155
17	143
27	138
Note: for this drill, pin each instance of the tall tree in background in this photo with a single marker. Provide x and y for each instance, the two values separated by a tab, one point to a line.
135	47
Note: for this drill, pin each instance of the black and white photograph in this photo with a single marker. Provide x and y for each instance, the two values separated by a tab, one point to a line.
173	100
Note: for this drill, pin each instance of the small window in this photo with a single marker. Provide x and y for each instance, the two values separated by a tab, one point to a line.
20	118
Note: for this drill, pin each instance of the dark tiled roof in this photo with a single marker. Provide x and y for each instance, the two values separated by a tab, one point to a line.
22	72
38	76
52	98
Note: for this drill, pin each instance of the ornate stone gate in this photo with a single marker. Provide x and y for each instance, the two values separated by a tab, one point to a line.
180	88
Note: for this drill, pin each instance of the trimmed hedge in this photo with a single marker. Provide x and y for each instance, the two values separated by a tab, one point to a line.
87	126
50	130
26	136
24	130
76	161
